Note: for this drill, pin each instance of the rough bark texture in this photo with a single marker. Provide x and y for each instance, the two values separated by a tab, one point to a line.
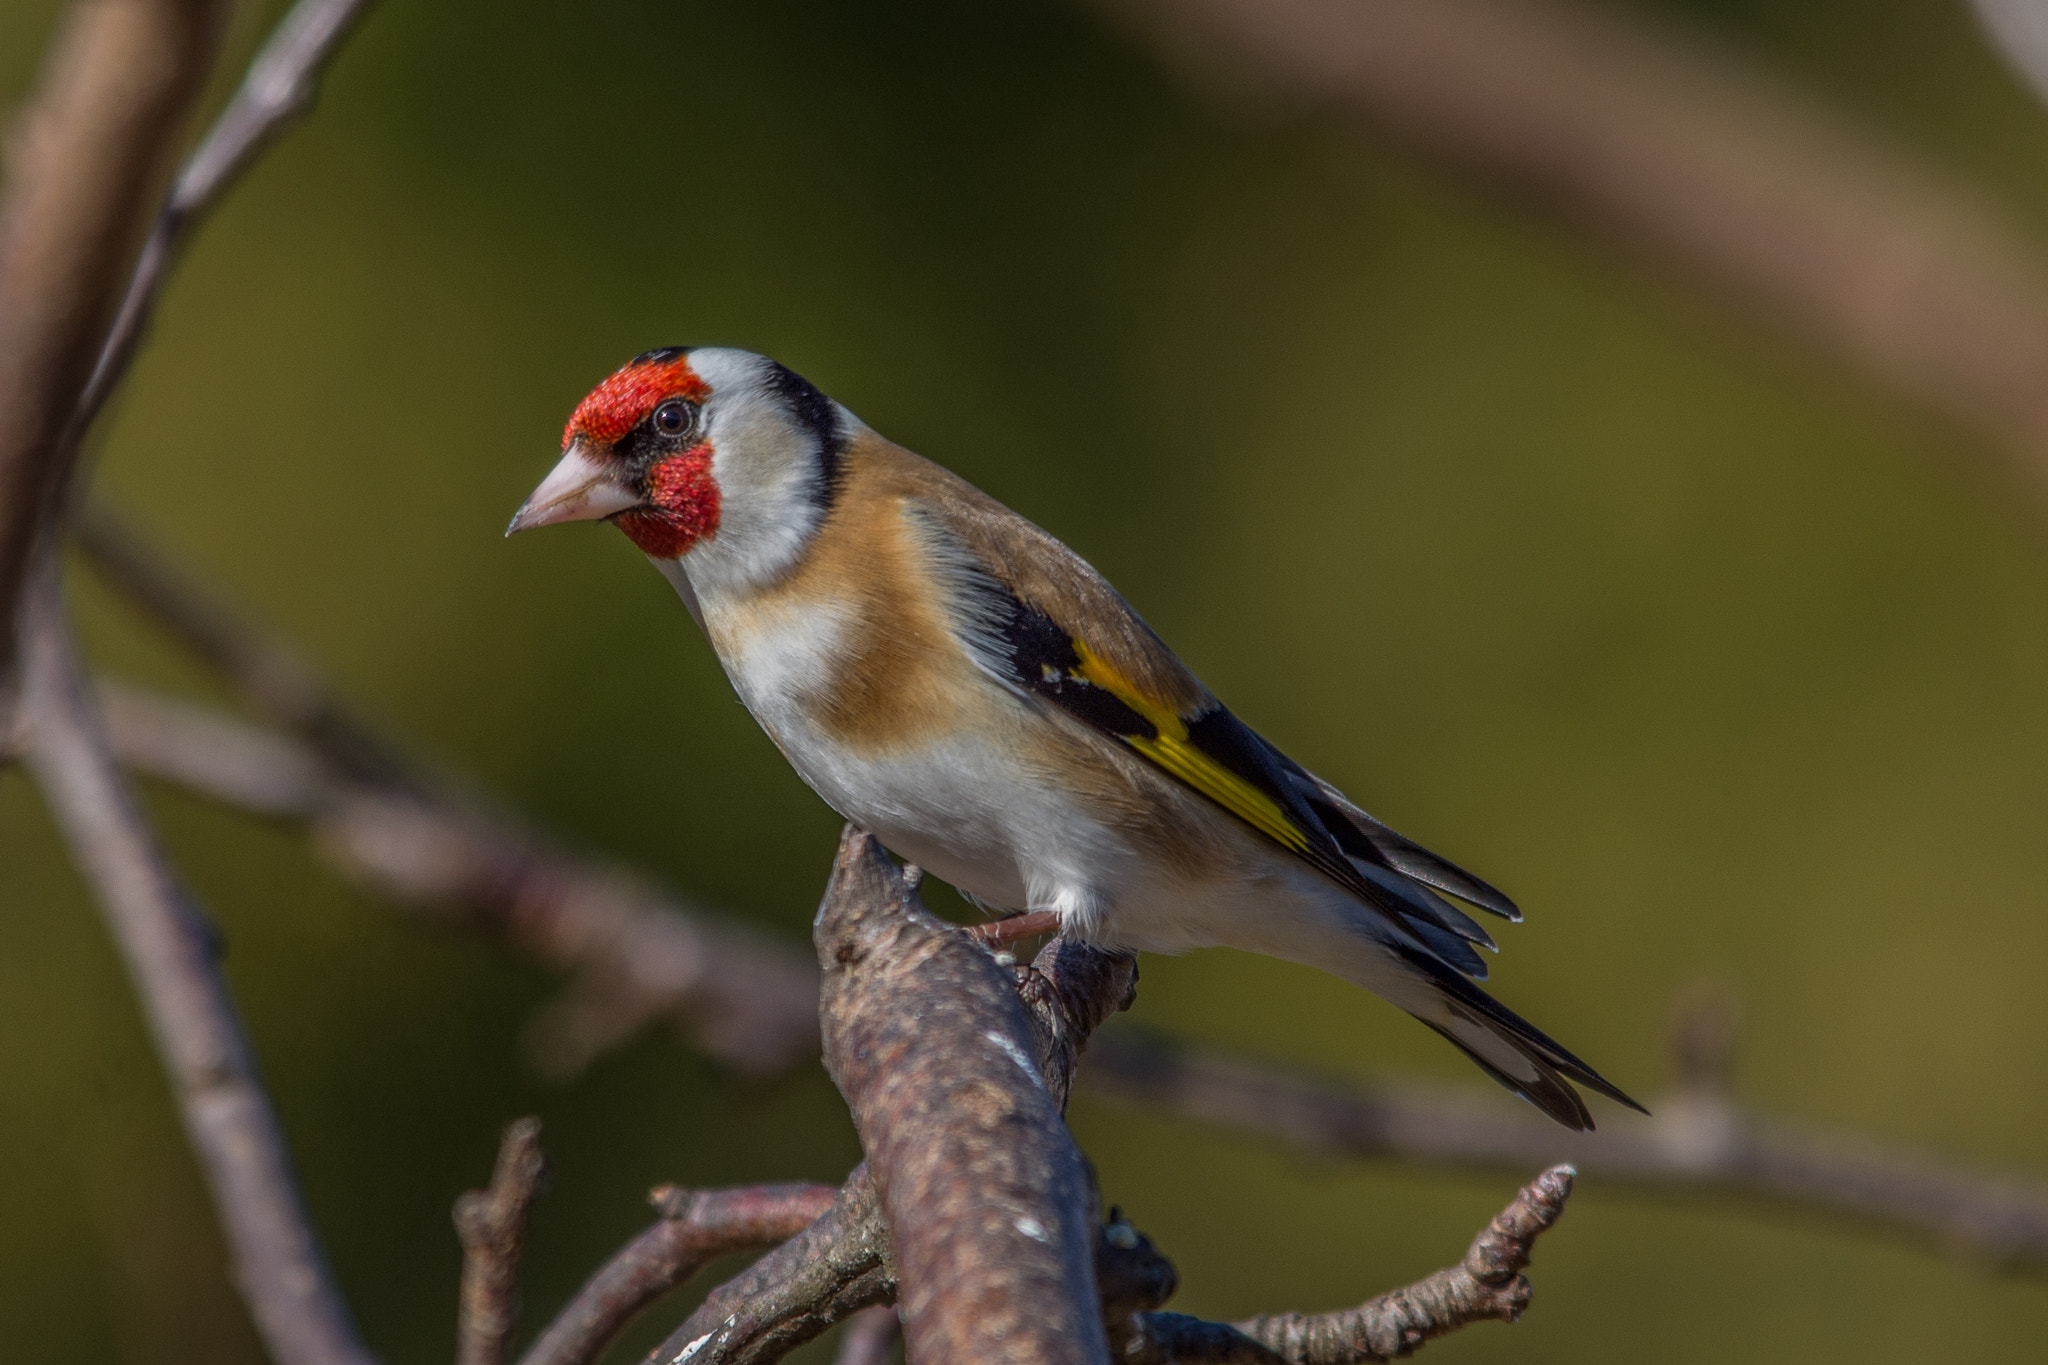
989	1204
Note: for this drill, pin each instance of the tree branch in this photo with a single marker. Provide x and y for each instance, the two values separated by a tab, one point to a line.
83	161
696	1227
491	1224
2018	30
1914	282
989	1204
171	956
845	1261
1699	1141
825	1274
1487	1285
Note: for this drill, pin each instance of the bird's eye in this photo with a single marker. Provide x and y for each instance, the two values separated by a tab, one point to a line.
672	418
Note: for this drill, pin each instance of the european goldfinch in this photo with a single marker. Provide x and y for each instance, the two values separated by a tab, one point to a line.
954	680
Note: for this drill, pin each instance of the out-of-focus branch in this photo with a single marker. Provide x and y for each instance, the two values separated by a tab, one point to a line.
491	1224
2018	30
277	88
1487	1285
989	1204
1915	282
871	1337
696	1227
83	161
265	673
170	953
641	956
636	954
1700	1142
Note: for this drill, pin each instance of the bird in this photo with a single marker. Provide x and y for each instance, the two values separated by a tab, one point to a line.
957	682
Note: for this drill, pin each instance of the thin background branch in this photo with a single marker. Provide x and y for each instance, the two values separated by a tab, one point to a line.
2018	31
170	953
1706	164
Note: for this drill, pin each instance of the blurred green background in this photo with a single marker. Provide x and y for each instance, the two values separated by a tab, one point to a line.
1724	666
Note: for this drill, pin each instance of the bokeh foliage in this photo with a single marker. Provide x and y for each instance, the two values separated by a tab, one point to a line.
1725	667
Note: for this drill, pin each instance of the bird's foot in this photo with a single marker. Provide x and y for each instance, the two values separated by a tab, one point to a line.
1007	930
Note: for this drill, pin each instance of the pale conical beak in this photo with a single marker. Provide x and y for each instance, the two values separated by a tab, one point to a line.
577	489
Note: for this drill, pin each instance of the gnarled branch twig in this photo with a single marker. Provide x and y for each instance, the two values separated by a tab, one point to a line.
1487	1285
491	1224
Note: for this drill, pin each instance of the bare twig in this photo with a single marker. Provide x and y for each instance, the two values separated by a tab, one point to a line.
491	1224
170	954
696	1227
1487	1285
871	1337
83	162
1913	281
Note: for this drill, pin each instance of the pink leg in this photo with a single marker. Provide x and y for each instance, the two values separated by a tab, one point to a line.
998	932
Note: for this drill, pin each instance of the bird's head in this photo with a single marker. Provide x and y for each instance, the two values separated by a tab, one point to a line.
689	447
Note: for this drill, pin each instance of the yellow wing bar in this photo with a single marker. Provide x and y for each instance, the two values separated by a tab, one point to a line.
1173	751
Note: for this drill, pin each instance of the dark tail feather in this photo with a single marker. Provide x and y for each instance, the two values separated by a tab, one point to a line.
1348	824
1548	1091
1481	1011
1417	901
